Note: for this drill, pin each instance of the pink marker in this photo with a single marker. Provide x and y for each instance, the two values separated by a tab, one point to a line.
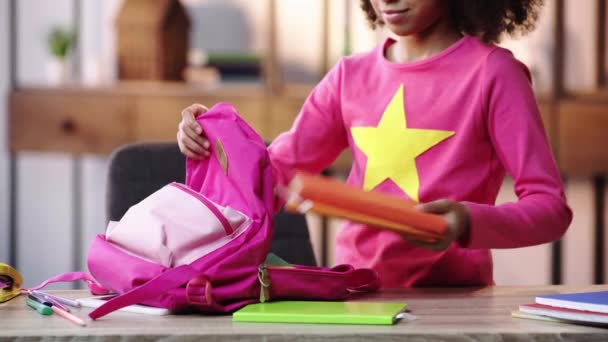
68	316
56	303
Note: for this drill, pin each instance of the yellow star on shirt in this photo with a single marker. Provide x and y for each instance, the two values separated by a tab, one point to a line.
391	148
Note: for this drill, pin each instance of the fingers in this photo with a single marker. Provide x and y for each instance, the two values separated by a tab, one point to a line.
456	218
190	148
441	206
190	134
184	149
198	109
194	110
188	117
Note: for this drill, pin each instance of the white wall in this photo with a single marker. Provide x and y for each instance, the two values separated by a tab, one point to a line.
579	76
302	60
35	19
97	52
4	172
93	185
578	243
44	216
536	50
44	180
97	40
579	48
520	266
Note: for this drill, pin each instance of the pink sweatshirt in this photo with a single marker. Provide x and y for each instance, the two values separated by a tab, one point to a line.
452	126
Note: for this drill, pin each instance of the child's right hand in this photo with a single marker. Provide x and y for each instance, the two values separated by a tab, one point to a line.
190	136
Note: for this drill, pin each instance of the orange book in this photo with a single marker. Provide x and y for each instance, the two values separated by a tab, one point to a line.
327	196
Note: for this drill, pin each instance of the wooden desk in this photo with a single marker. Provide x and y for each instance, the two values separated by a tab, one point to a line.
463	314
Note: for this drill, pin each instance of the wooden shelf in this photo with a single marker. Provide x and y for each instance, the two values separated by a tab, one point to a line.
583	136
98	120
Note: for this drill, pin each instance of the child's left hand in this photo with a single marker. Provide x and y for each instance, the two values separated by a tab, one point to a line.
456	215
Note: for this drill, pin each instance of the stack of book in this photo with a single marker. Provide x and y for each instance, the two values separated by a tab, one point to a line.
211	69
581	308
205	76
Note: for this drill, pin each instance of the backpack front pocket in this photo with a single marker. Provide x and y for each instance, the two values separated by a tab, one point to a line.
175	226
298	282
119	272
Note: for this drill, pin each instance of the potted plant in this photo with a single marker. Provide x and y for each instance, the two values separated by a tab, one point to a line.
60	43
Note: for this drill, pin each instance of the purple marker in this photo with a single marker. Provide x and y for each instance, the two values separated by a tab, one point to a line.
38	299
58	299
56	303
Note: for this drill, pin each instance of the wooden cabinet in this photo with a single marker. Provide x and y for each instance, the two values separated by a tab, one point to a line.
582	128
70	121
98	120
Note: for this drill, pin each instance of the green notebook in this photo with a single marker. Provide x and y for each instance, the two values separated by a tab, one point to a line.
321	312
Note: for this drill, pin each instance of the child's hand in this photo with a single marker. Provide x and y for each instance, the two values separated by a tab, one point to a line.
190	137
456	215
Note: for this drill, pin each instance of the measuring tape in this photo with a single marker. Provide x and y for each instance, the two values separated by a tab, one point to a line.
10	283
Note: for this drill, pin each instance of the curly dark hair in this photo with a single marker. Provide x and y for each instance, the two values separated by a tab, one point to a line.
486	19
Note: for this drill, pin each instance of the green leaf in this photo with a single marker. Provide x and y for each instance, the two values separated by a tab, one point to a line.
60	42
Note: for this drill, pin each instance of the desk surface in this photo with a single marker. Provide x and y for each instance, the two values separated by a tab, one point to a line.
465	314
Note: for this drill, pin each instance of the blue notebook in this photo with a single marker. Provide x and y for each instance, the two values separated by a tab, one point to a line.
586	301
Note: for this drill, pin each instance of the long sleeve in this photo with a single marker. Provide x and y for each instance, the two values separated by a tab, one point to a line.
317	136
515	128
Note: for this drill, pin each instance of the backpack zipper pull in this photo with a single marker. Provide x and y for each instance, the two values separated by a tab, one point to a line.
264	282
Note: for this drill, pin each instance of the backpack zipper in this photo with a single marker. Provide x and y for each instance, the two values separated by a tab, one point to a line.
207	203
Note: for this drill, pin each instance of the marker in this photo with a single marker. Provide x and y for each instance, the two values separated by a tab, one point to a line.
67	316
46	300
35	298
38	299
61	300
41	308
56	303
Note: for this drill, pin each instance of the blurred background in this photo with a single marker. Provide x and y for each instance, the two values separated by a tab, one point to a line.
78	78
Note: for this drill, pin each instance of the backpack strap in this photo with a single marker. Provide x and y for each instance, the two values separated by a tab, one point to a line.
164	282
94	287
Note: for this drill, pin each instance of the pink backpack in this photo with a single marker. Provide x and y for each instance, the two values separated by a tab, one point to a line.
204	245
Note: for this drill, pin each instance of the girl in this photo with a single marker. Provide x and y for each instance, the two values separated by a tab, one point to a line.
437	114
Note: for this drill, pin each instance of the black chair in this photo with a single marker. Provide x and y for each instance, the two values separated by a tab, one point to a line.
137	170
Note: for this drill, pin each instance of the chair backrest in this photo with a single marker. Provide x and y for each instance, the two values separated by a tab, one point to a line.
137	170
